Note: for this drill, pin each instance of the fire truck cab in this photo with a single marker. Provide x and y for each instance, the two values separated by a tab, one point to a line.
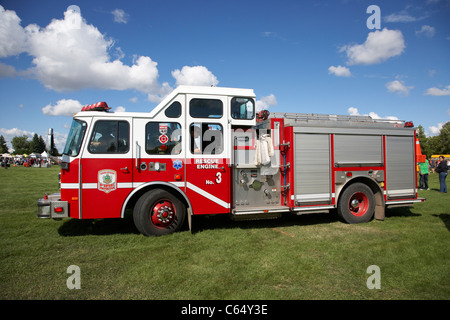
205	150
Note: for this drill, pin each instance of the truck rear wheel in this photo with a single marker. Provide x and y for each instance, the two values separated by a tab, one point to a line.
357	204
158	212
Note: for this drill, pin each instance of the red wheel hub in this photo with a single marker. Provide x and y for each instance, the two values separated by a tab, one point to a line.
163	214
358	204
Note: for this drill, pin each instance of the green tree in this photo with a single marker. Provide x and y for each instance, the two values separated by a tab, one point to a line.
3	145
433	145
444	139
41	144
37	144
21	145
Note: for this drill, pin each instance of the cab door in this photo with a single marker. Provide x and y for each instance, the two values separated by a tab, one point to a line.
106	169
207	154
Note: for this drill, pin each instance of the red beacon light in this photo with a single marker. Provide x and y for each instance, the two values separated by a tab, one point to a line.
99	106
409	124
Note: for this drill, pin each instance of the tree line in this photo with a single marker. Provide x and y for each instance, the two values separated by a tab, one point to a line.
22	145
439	144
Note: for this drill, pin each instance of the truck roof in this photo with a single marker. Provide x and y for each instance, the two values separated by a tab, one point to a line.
199	90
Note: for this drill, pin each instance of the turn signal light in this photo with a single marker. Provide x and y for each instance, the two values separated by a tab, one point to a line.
178	177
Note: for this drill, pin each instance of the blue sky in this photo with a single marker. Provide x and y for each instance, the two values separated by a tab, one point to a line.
299	56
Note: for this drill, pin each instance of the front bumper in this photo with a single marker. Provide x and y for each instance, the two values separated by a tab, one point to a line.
51	206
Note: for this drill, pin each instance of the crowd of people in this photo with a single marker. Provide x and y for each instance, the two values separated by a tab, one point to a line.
6	162
439	166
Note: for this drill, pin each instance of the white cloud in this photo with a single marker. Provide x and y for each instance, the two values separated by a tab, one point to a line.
355	112
426	31
120	16
63	108
374	115
378	47
265	102
435	130
12	36
438	92
400	17
194	76
404	16
15	132
399	87
160	93
7	71
339	71
120	109
70	54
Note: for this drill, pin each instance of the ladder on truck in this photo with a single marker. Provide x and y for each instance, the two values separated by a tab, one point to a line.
339	120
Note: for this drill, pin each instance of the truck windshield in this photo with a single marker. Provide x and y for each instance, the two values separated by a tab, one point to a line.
75	138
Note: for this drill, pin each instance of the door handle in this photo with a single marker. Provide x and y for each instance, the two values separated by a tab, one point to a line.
138	155
124	170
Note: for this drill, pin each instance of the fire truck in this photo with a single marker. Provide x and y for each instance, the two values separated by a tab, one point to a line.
206	151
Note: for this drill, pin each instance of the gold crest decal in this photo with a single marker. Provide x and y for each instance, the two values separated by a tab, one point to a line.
107	180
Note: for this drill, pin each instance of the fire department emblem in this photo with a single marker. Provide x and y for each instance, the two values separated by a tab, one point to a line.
107	180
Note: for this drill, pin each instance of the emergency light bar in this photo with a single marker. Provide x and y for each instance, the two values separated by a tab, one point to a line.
99	106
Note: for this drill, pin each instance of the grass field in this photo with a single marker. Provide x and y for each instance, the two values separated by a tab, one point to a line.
294	257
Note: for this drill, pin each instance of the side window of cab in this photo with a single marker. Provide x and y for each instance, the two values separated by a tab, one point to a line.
110	136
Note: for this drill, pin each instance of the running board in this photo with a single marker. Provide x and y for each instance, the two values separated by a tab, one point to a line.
259	210
403	203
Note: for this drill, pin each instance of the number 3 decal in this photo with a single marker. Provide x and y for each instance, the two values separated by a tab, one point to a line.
219	177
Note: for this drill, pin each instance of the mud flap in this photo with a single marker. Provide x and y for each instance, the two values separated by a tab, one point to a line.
189	216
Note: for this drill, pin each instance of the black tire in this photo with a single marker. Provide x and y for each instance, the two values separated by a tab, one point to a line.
158	212
356	204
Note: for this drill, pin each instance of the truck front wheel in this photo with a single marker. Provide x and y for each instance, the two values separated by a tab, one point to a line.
357	204
158	212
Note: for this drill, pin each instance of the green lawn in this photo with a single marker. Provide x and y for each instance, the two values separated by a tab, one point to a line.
295	257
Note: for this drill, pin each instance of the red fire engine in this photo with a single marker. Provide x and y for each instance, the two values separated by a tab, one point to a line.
205	150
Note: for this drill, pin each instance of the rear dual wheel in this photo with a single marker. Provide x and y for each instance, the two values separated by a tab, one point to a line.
158	212
357	204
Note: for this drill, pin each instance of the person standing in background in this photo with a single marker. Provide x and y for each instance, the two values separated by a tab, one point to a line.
442	169
423	171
